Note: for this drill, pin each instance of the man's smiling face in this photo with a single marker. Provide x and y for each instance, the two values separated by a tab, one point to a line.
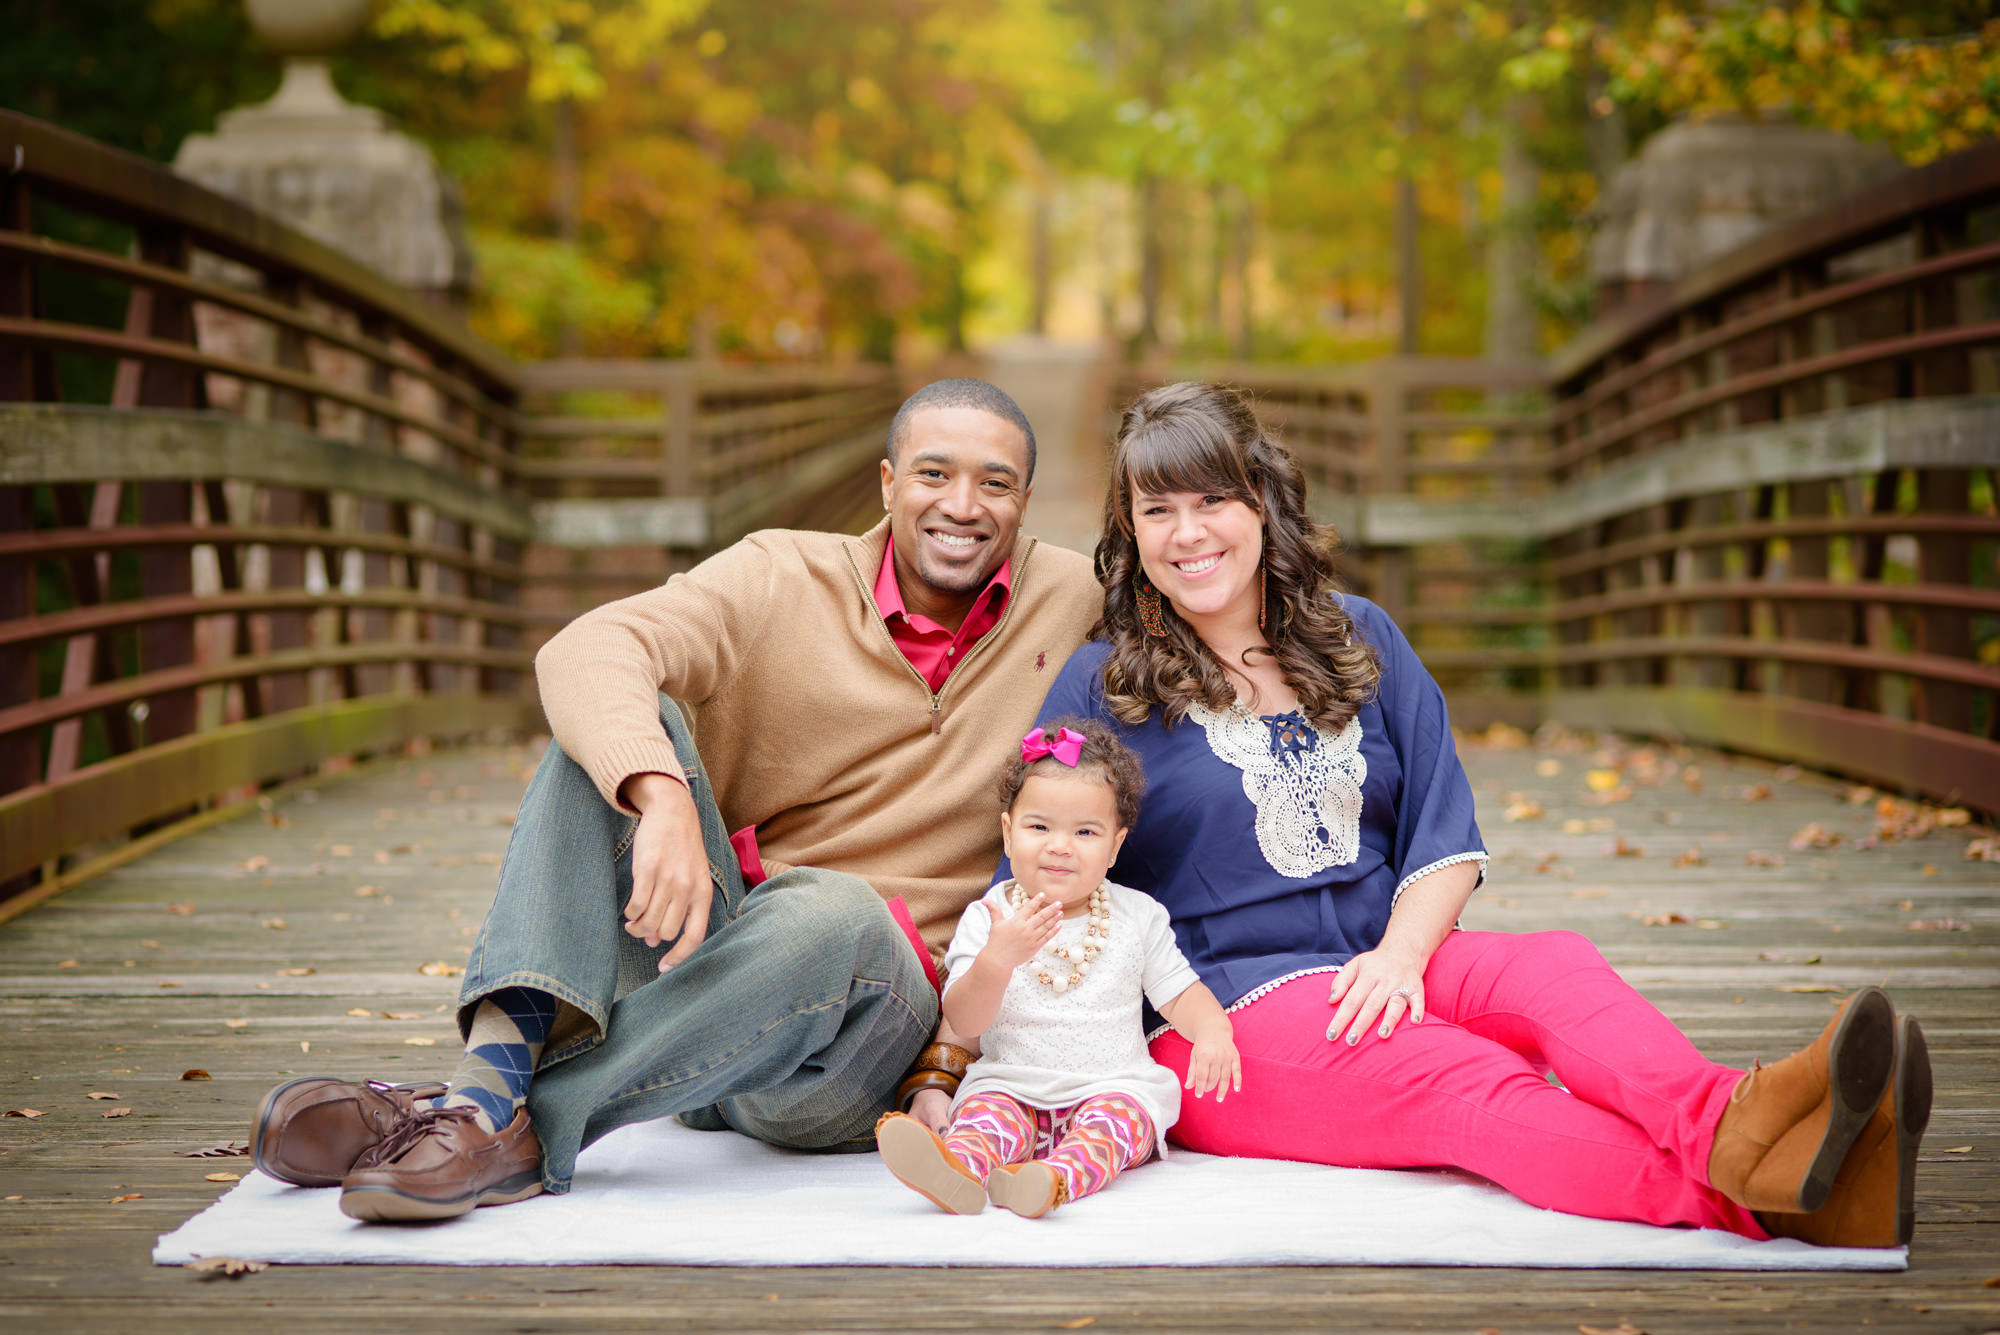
955	493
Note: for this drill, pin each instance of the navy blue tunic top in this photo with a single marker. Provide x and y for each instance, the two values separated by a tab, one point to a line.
1241	921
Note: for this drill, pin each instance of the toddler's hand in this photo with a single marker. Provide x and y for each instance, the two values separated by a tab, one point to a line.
1015	939
1215	1065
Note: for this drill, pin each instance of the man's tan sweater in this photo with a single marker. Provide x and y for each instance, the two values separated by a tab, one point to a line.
812	725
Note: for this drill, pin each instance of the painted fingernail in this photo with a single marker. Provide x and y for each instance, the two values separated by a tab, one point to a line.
1383	1031
1352	1039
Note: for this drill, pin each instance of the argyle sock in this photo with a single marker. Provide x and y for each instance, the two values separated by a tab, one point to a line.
509	1028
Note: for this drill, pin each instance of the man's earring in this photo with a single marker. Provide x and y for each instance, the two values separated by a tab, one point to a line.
1152	617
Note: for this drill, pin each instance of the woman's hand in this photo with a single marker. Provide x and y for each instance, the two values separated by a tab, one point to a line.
1383	983
932	1107
1014	940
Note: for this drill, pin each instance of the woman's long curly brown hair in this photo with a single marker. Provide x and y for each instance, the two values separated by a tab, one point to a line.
1205	439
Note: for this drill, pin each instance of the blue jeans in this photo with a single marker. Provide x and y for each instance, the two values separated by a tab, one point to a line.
793	1021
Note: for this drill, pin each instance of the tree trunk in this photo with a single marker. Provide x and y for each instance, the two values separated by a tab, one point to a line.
1245	227
1150	264
1510	245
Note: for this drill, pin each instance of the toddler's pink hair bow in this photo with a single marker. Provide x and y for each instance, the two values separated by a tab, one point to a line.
1067	747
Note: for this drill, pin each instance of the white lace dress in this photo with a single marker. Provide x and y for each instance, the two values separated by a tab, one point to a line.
1054	1051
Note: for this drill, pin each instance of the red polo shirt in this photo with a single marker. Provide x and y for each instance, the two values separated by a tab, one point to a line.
932	650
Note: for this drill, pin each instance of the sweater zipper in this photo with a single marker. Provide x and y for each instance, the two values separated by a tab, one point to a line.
937	697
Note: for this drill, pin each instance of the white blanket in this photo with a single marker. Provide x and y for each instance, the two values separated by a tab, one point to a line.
661	1194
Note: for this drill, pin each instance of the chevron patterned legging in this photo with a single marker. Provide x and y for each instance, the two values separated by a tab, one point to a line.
1087	1144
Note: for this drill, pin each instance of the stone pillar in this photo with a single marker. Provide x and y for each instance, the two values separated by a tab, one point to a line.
1699	189
332	169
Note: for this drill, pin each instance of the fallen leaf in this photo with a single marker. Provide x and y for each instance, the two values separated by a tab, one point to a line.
420	1042
222	1177
341	851
1930	869
1860	795
1545	861
1548	768
1621	849
1950	818
1992	1282
305	1046
399	1015
168	982
361	1011
1664	919
1758	858
11	1198
184	909
1983	850
100	1094
440	969
1810	959
128	1196
1622	1328
1786	773
277	820
1600	780
227	1267
152	945
69	964
255	864
487	859
306	972
1589	892
1959	1149
1077	1324
381	855
1756	792
1691	776
367	891
1814	835
236	1024
196	1073
1940	925
1710	924
30	1113
220	1152
1691	858
1523	811
1622	793
276	924
117	1112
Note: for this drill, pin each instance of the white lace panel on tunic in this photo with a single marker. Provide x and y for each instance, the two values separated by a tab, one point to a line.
1307	792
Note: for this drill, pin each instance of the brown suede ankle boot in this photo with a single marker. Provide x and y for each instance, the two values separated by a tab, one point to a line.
1874	1197
1789	1125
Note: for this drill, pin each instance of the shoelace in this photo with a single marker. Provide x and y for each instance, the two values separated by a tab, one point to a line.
419	1123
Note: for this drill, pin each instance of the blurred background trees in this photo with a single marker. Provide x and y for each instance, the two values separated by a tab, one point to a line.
874	178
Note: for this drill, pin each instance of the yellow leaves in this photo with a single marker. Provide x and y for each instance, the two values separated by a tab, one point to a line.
440	969
224	1267
1983	850
1814	835
128	1196
222	1177
1519	811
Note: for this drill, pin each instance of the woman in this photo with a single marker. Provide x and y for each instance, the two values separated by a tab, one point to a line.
1311	831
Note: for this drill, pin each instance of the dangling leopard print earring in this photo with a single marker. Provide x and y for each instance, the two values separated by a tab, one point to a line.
1152	616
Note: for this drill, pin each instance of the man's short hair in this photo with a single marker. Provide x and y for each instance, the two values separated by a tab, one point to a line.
962	392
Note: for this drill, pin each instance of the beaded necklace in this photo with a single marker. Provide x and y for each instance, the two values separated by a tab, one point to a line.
1061	967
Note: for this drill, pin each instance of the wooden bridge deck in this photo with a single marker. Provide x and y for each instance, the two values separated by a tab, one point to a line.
296	943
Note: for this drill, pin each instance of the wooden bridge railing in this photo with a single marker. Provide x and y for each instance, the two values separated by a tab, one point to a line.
1759	511
260	508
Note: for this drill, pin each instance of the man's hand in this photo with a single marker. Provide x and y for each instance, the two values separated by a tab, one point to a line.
671	889
1014	940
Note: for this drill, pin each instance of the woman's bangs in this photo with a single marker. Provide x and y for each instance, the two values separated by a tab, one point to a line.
1186	452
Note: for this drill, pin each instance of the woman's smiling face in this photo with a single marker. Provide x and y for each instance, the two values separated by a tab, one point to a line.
1202	551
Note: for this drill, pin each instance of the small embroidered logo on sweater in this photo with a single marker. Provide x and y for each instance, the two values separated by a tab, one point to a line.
1041	661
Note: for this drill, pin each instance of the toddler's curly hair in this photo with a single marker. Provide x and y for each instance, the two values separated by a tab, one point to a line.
1103	754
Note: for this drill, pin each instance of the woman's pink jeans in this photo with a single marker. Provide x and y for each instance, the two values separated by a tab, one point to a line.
1627	1137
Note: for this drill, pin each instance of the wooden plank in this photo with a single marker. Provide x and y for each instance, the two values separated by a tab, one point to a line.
71	1261
66	443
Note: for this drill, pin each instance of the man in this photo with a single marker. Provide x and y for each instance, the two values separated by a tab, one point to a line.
849	702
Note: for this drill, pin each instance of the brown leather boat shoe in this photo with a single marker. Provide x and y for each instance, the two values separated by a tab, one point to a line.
311	1131
1029	1189
926	1165
1874	1197
439	1164
1789	1125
